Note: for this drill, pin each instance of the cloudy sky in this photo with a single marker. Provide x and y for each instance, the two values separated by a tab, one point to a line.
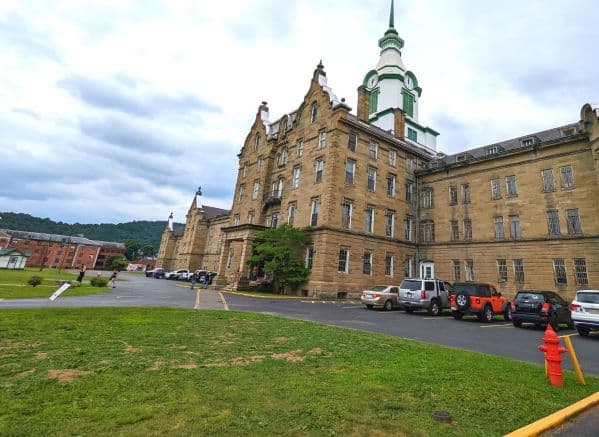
116	110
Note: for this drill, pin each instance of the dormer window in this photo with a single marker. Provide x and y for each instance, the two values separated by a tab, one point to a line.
567	132
460	158
527	142
492	150
313	112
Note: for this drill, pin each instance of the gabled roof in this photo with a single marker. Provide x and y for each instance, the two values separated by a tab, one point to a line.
211	212
178	229
14	252
57	238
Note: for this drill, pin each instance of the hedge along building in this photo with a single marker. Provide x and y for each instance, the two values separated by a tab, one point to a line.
383	204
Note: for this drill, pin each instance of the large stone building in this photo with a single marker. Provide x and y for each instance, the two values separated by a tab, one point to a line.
383	204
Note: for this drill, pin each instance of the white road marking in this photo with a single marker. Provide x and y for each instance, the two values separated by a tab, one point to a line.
508	325
119	297
197	303
224	301
567	335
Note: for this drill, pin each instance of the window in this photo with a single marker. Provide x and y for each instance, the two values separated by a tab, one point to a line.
392	157
408	228
502	270
408	103
244	172
391	185
278	188
495	189
498	224
412	134
309	257
367	265
274	221
256	190
346	210
371	179
465	193
256	142
373	150
299	149
291	211
453	195
548	182
313	112
573	222
492	150
390	224
469	267
527	142
553	222
518	271
409	192
409	164
457	270
283	156
455	230
352	141
350	171
260	164
426	198
566	176
314	210
322	139
373	101
343	260
389	264
241	192
369	219
250	217
559	268
295	180
467	229
515	227
510	182
427	231
318	170
580	271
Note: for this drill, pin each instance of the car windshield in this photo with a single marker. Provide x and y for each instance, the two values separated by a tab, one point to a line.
530	296
378	288
410	285
587	297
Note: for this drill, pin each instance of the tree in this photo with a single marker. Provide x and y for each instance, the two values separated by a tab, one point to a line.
116	262
280	251
131	249
148	250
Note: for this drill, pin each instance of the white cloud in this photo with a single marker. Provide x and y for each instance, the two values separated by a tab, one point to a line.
119	109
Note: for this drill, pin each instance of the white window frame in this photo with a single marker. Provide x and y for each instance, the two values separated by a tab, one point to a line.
369	219
352	164
295	180
369	171
343	216
318	170
392	157
345	261
322	139
256	190
390	227
373	150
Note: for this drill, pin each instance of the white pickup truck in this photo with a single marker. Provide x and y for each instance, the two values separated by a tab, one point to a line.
180	275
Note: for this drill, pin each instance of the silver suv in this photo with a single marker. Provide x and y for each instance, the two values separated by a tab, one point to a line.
585	311
429	294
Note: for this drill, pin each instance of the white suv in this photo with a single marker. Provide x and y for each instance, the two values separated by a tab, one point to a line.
585	311
181	274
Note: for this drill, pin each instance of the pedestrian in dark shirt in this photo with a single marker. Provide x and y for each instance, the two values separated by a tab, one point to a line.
81	274
113	279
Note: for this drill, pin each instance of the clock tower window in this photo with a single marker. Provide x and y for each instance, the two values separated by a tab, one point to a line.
374	101
408	103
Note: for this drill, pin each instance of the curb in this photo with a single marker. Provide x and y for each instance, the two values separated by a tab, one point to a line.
551	421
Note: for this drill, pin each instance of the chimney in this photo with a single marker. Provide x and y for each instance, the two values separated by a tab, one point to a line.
399	124
363	103
170	222
263	111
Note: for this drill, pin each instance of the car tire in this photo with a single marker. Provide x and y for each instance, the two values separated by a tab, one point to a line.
369	306
409	310
486	315
457	315
584	332
507	313
462	300
388	305
517	323
554	322
434	308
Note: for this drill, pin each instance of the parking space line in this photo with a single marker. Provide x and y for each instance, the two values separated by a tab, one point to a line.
223	301
567	335
197	303
507	325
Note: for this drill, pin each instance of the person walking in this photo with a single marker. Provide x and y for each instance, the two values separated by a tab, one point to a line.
112	281
193	280
81	274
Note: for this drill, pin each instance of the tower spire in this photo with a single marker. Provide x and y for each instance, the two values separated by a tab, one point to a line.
391	16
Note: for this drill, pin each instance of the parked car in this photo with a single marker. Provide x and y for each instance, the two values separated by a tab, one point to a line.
159	273
177	274
380	296
540	308
149	273
585	311
209	274
429	294
479	299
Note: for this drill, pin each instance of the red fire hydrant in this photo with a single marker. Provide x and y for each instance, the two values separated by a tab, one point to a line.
552	351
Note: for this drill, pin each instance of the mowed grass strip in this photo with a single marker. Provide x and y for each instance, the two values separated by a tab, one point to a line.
182	372
13	284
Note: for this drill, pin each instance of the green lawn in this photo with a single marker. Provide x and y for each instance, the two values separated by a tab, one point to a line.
13	284
141	371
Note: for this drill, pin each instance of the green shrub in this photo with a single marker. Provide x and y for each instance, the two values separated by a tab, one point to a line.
99	281
75	284
35	280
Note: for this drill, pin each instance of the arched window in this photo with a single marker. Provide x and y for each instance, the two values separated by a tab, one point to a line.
280	188
256	142
313	112
283	156
427	231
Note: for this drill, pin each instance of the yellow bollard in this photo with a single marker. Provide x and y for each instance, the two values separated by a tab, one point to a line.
546	369
575	363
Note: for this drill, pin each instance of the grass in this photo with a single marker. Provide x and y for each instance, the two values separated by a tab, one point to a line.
13	284
157	371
